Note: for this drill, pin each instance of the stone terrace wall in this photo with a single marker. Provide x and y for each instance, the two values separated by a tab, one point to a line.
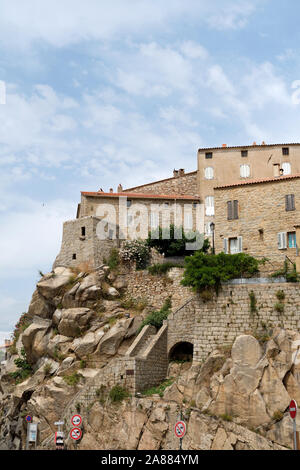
156	289
220	321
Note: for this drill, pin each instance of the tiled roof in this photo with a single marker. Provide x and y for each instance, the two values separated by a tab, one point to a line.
258	181
141	196
247	146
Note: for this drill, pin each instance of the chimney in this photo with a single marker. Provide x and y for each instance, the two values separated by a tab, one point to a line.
181	172
111	190
224	146
175	174
263	143
120	188
254	143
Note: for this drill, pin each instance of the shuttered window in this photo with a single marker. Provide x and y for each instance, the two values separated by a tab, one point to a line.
287	169
282	240
209	173
232	210
290	202
210	205
245	171
226	246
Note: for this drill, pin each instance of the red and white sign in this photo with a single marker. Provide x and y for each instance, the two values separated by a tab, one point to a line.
293	409
75	434
76	420
180	429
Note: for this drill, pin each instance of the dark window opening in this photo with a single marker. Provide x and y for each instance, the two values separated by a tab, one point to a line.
74	256
208	155
244	153
182	352
232	210
129	202
285	151
290	202
83	231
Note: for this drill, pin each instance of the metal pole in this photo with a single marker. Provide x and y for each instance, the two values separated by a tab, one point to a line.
295	434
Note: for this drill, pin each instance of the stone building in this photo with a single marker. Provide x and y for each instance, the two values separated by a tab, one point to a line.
259	217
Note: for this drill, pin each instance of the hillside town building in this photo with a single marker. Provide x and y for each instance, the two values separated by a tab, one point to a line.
245	199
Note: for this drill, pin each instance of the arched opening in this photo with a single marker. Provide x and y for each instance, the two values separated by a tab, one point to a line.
182	352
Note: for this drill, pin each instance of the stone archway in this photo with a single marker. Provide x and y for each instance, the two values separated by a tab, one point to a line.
182	351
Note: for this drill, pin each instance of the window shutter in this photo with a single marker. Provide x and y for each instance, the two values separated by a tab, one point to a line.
229	210
235	209
287	169
282	240
226	246
290	202
240	244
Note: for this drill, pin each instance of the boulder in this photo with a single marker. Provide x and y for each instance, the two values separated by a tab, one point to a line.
246	351
59	345
52	285
87	344
74	321
34	337
273	392
111	341
39	306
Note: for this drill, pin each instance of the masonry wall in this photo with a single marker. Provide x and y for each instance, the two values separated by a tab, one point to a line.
261	207
87	249
182	185
218	322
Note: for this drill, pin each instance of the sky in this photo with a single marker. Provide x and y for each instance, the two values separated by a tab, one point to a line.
99	93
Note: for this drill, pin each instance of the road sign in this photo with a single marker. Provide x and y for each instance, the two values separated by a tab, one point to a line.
293	409
76	420
59	423
28	419
180	429
75	434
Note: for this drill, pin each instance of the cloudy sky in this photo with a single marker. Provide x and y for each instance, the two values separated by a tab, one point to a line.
100	93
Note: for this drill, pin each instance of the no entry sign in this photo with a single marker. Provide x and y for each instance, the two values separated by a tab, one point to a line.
75	434
293	409
76	420
180	429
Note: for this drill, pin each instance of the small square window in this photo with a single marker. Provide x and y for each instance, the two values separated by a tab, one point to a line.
74	256
83	231
285	151
244	153
208	155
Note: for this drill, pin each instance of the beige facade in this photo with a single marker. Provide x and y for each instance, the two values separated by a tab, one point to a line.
226	165
264	222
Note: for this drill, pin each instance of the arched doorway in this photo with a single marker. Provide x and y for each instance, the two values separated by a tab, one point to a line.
182	352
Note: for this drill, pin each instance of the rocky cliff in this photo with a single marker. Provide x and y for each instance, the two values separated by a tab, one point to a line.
78	325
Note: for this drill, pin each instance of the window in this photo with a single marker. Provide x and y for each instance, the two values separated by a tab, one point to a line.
188	221
232	210
292	240
208	155
129	203
244	153
285	151
154	220
287	169
74	256
282	240
210	205
208	231
233	245
290	202
83	231
209	173
245	171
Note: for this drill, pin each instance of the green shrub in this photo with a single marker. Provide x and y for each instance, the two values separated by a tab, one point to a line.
118	394
114	259
209	271
279	307
280	295
24	368
135	304
47	368
277	416
253	307
160	269
135	251
72	379
157	318
226	417
167	243
159	389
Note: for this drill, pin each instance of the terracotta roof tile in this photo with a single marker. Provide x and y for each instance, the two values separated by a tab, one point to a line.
259	181
247	146
141	196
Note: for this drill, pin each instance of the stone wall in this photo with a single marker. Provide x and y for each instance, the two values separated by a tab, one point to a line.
262	216
220	321
156	289
182	185
77	248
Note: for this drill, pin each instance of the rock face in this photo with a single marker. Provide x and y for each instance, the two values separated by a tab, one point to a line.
74	321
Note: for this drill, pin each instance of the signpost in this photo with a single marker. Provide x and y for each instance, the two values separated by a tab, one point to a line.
293	413
32	431
180	430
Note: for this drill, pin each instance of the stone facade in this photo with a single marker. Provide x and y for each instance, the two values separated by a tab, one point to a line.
77	248
181	184
262	216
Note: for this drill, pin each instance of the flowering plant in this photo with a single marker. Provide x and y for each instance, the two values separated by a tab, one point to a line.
135	251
